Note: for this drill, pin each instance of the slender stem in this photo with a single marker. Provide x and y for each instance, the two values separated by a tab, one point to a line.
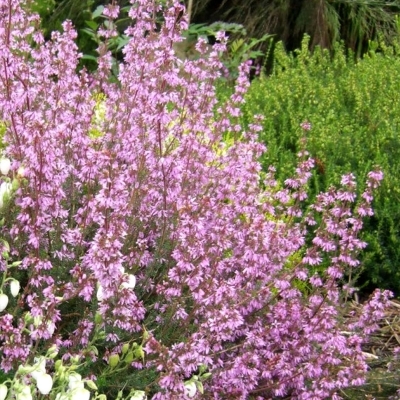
189	10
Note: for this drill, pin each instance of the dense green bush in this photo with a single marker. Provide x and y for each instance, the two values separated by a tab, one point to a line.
354	111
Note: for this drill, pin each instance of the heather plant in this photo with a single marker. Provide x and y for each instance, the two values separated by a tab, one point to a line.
240	49
145	257
353	109
53	12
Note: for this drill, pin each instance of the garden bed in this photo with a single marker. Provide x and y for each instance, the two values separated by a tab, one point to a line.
383	378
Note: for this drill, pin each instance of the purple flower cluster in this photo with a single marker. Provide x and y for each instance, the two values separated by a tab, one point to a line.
225	267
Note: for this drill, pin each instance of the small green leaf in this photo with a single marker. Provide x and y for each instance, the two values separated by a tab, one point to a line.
97	12
90	33
122	41
16	263
89	57
199	386
91	385
5	244
92	24
205	376
202	369
94	350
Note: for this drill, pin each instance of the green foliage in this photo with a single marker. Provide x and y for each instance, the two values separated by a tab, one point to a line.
326	21
241	46
115	44
87	19
354	110
2	132
43	7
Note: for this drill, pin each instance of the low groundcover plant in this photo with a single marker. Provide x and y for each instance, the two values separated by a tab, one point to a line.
153	250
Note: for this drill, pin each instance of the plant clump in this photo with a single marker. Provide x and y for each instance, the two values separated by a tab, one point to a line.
152	250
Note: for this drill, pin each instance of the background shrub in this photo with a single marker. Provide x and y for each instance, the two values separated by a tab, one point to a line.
354	111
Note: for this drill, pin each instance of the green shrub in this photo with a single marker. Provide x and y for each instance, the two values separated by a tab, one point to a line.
354	111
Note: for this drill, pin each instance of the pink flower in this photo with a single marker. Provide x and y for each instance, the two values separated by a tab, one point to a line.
305	126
